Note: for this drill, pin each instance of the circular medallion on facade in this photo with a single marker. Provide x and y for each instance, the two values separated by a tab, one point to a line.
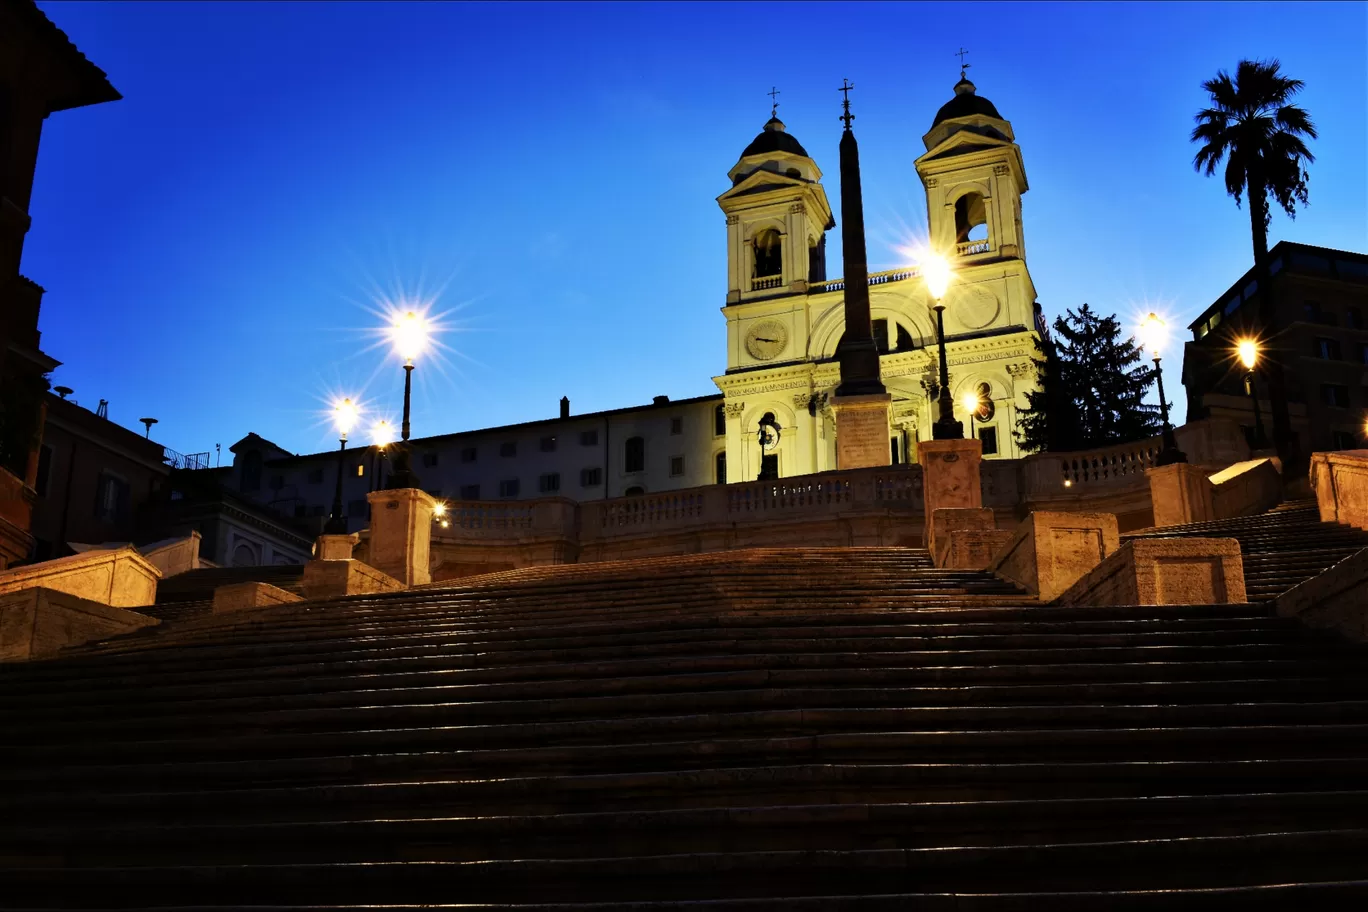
766	340
974	306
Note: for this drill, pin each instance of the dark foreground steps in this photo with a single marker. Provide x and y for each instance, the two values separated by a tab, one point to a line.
778	729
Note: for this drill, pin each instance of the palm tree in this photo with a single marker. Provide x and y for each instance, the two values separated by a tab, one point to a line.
1253	127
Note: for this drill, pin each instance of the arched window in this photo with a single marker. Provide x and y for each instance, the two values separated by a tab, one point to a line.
719	421
251	472
817	259
905	342
768	258
244	556
986	409
635	458
634	491
971	219
720	470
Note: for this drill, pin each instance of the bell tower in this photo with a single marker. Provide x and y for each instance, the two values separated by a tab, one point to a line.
777	218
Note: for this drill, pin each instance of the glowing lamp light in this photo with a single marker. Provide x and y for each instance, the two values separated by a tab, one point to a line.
439	510
1248	350
935	270
382	433
345	415
409	332
1153	333
971	403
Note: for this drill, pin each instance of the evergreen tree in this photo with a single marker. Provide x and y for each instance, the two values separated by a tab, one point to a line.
1092	391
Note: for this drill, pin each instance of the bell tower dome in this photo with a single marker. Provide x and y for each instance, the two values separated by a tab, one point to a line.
777	218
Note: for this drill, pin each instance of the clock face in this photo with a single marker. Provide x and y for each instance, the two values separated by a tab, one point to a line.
766	340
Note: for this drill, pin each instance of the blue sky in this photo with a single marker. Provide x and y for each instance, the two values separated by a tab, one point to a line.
213	243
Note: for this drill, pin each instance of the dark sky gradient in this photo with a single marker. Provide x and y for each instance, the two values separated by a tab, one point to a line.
212	244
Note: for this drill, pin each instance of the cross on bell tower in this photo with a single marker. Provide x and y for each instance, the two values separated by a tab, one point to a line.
774	94
963	66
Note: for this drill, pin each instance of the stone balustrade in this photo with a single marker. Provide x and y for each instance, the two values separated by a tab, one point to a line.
969	248
1340	483
760	284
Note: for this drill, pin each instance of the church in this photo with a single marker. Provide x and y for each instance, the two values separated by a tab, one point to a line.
784	318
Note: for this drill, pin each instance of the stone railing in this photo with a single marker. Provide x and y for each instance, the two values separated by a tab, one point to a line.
764	282
480	517
969	248
875	278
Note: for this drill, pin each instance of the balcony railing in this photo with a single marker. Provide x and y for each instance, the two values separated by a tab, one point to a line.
183	461
764	282
969	248
875	278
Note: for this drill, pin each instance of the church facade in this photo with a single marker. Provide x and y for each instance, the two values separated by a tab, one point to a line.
783	320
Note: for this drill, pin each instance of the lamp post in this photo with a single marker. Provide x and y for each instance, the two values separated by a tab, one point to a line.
972	404
409	333
1248	351
1153	332
935	271
345	414
768	438
382	435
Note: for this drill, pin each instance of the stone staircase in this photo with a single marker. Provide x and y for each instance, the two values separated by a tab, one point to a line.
1281	548
191	594
772	729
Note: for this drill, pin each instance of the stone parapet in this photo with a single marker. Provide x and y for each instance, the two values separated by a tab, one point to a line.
950	478
336	547
974	549
246	596
121	577
1181	494
401	534
175	556
38	622
1336	599
1247	488
1340	483
336	578
1183	570
1049	552
947	520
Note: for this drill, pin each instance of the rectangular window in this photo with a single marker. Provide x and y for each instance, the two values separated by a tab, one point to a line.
315	476
720	421
880	328
429	460
360	470
468	454
1329	349
508	487
548	444
549	483
634	455
894	450
470	492
988	436
676	426
769	466
589	438
1335	394
591	478
40	484
676	466
509	448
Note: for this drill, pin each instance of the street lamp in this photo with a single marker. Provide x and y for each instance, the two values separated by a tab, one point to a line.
972	404
768	438
1248	351
409	332
935	270
382	435
1153	333
345	414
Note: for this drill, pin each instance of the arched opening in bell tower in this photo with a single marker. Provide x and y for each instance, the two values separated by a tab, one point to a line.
971	218
768	254
817	259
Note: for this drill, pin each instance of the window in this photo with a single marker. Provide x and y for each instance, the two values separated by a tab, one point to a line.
1335	394
591	478
277	482
470	492
971	219
508	449
720	421
720	467
549	483
676	426
508	487
768	254
769	466
904	339
1329	349
635	460
429	460
988	436
548	444
111	498
676	466
1315	314
589	438
360	470
40	484
468	454
1344	440
880	328
894	451
244	556
1353	318
315	476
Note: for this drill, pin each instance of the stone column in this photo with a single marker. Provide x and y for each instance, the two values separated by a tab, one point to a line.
1181	494
401	534
335	547
950	478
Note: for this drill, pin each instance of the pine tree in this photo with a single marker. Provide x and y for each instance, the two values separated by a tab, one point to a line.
1092	391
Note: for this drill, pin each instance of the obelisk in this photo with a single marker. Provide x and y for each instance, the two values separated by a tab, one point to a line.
861	401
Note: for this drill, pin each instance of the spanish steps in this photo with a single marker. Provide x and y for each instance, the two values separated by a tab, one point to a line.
780	729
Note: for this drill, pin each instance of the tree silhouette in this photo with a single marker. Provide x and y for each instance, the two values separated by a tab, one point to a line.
1252	126
1092	390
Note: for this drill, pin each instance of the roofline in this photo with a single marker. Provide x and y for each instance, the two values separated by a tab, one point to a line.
95	85
540	422
1248	275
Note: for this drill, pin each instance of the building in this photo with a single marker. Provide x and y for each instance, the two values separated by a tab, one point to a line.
94	478
783	321
1321	315
41	73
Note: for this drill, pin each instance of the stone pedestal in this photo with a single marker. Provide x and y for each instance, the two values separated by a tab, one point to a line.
1049	552
246	596
401	534
950	479
338	578
1181	494
120	577
335	547
952	519
40	622
1164	571
862	432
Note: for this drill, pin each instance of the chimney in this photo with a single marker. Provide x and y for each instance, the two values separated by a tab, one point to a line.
661	400
565	406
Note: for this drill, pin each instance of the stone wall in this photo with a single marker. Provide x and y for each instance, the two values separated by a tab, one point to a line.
1049	552
1164	571
122	578
1340	483
37	622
